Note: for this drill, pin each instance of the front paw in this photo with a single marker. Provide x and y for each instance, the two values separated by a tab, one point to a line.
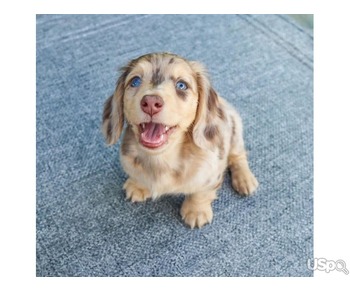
244	182
196	215
135	193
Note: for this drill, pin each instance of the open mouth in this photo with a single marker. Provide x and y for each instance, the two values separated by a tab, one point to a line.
154	135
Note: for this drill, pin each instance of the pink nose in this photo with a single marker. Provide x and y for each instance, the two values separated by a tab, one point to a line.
151	104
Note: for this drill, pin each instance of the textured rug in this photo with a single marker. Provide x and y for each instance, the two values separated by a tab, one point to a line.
262	64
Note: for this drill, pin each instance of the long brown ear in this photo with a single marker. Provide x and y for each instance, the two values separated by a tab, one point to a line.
113	115
205	130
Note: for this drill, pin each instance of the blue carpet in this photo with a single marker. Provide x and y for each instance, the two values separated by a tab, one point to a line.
262	64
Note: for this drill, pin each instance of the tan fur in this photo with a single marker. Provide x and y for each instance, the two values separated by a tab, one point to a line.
208	137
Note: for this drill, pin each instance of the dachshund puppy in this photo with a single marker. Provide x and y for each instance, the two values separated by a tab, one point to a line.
180	136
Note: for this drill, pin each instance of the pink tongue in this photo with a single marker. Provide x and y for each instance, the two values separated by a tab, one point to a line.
152	132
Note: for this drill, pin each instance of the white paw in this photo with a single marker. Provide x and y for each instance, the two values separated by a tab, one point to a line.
196	215
244	182
134	193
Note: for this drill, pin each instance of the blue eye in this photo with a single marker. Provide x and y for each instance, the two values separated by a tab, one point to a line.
136	82
181	85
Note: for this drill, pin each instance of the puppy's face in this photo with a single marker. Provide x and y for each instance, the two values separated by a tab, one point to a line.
162	97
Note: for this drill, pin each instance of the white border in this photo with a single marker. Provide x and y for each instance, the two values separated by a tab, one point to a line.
177	7
18	145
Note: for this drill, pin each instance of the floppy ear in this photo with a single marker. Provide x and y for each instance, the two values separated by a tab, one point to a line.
205	131
113	115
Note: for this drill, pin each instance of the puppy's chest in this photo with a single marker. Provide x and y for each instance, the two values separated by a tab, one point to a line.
162	177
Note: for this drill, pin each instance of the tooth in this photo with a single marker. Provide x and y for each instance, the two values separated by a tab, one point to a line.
162	137
166	128
143	125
